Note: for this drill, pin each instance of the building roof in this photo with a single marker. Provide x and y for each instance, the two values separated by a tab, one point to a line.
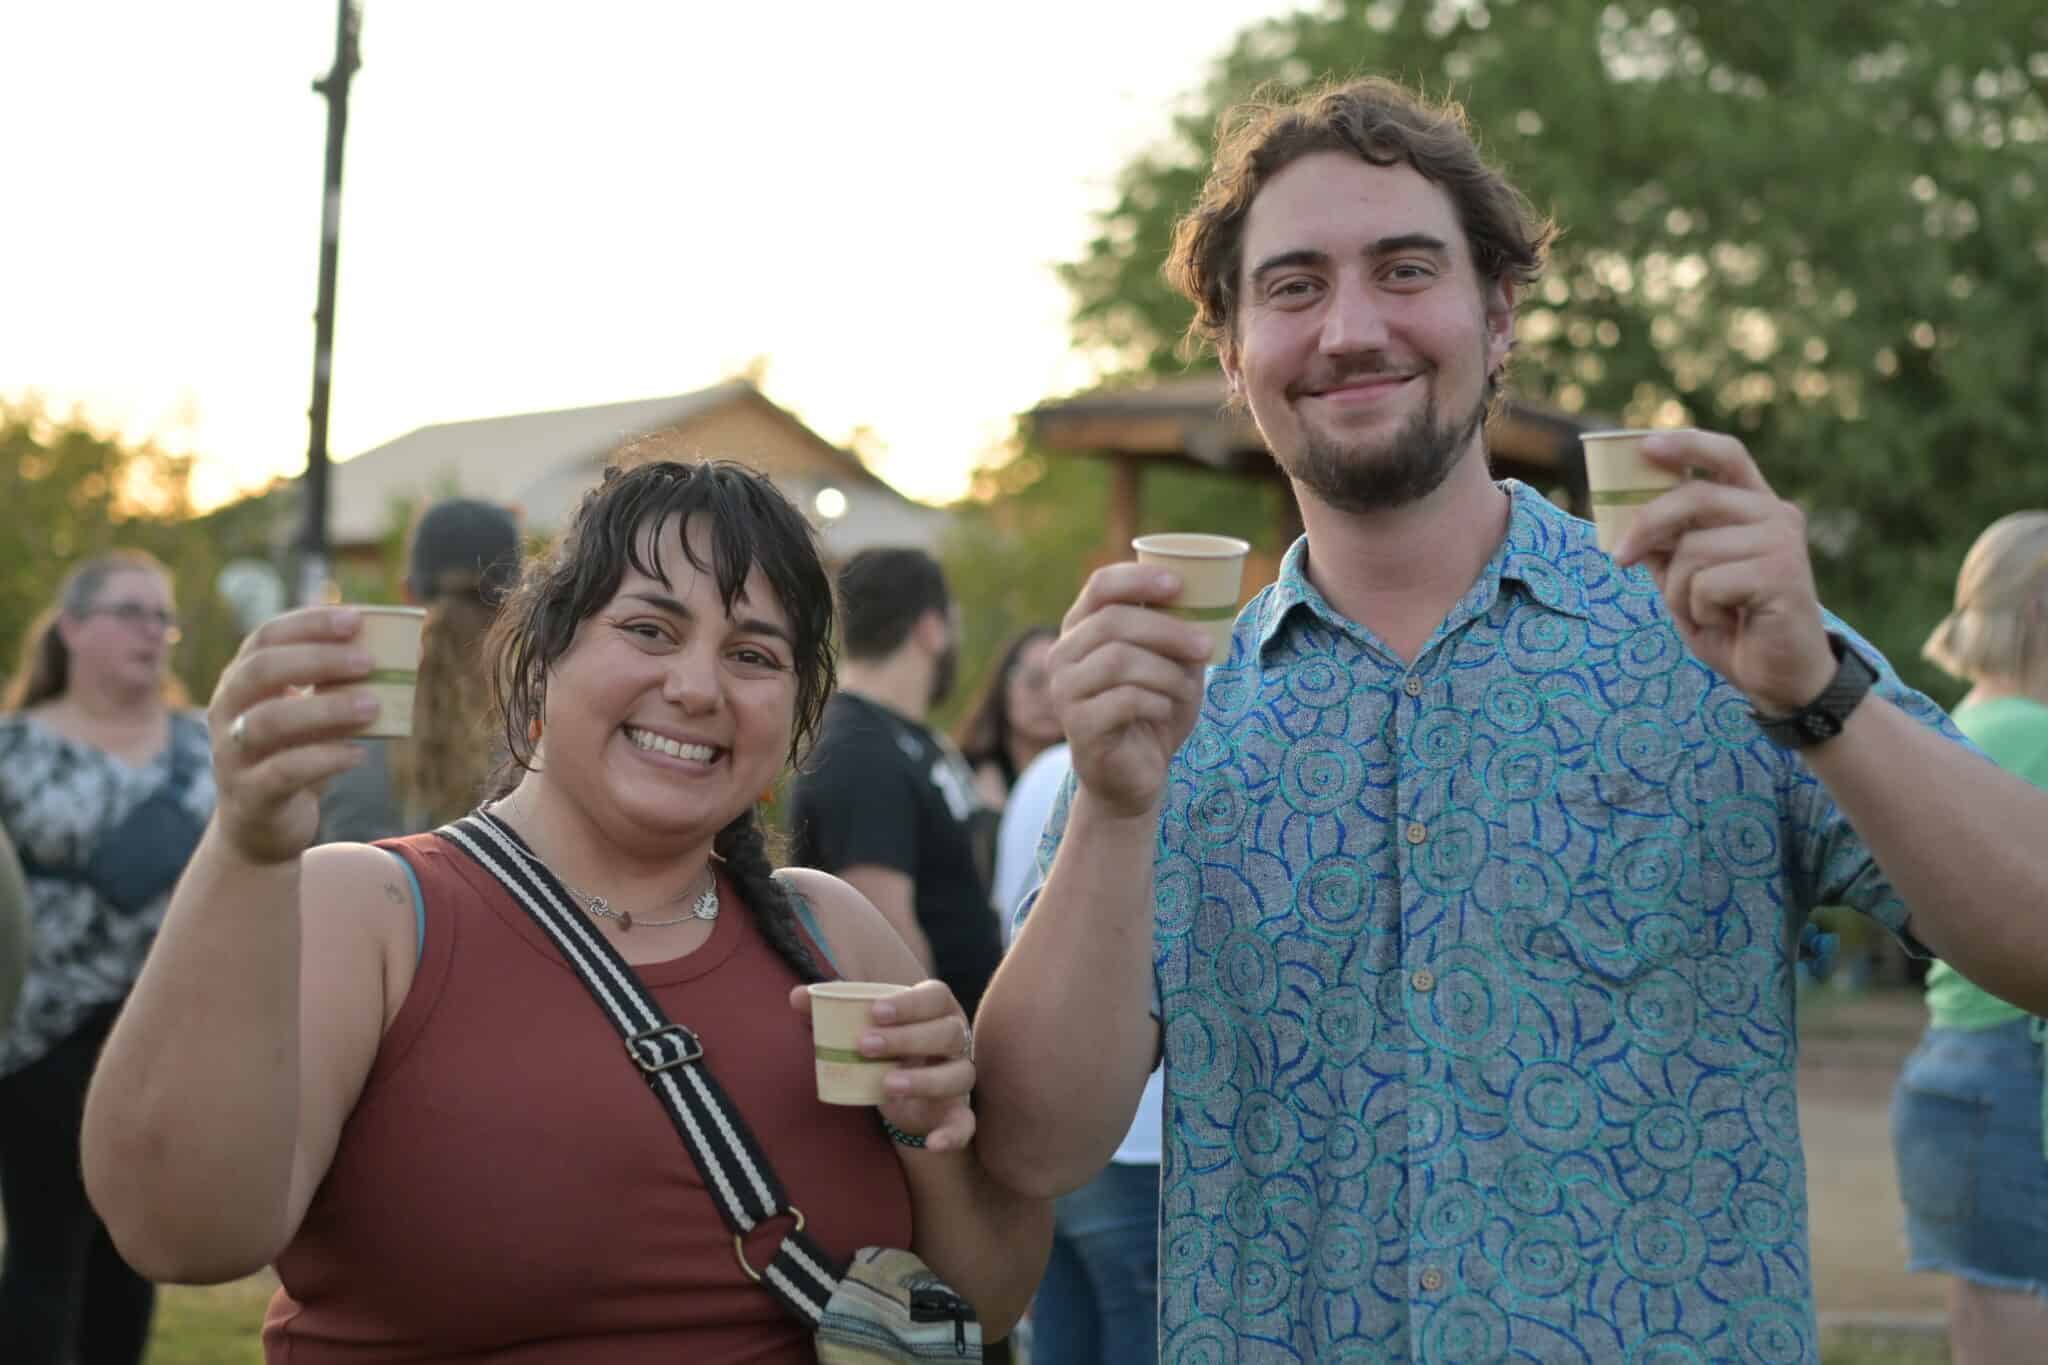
1188	419
541	462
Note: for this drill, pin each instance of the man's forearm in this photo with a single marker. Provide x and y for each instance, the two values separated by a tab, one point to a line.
904	921
892	893
1065	1035
1964	842
984	1238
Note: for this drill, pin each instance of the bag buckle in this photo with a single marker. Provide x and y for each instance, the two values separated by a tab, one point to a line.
739	1245
664	1048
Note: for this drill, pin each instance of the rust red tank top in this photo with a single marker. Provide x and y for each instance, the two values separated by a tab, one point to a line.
508	1190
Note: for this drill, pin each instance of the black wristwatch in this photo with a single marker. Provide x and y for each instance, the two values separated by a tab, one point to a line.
1821	719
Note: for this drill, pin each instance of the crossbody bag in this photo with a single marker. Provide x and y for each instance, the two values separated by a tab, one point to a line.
885	1307
141	856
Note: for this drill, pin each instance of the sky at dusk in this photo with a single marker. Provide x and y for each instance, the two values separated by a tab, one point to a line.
548	206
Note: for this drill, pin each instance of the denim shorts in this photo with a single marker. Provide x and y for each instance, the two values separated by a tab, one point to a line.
1966	1129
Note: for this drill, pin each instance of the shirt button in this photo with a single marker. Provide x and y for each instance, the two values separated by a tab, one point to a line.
1432	1279
1412	686
1423	980
1417	832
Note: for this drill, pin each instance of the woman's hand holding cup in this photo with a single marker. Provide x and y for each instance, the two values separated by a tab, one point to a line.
923	1031
276	738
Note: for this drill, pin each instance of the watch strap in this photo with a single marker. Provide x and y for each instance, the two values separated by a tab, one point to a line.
1822	718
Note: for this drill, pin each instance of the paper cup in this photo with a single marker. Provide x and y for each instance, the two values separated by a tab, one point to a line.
1211	570
392	635
1620	481
839	1016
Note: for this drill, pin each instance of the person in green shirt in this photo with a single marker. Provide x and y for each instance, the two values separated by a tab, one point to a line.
1969	1111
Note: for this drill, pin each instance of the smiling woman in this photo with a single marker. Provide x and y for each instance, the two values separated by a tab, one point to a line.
708	595
454	1125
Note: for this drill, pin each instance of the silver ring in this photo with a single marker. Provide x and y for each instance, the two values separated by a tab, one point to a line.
238	731
966	1040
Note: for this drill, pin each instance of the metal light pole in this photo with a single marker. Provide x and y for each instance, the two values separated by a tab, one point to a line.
334	87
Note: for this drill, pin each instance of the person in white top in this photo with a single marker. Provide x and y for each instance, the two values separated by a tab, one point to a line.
1098	1302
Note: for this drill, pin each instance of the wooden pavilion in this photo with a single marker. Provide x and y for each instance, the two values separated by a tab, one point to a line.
1189	422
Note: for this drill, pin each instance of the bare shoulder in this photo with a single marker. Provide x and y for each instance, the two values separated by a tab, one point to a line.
354	894
352	873
861	942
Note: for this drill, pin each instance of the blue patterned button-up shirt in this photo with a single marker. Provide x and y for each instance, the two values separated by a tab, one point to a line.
1476	984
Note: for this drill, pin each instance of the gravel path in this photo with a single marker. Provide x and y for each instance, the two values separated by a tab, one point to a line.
1851	1049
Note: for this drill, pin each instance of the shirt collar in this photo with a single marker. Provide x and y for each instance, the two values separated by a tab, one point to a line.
1541	540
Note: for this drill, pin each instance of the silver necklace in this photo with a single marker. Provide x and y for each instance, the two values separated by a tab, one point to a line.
705	907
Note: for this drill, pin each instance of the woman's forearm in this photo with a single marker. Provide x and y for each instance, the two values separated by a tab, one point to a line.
192	1118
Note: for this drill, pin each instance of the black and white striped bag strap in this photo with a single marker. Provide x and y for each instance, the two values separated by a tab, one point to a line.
671	1060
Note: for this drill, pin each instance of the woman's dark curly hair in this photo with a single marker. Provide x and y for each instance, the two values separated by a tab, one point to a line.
983	734
622	523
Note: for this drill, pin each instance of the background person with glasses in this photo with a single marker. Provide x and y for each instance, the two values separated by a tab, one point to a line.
105	784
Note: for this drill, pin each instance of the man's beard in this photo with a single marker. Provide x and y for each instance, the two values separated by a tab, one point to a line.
945	672
1412	465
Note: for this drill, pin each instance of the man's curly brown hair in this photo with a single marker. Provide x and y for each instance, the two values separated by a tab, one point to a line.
1376	120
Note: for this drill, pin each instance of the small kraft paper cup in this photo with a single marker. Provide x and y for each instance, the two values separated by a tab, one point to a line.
1211	570
392	635
839	1016
1620	481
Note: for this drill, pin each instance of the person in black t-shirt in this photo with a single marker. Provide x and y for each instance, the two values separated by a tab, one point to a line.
886	802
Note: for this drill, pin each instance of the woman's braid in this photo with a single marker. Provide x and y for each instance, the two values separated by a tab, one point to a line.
745	851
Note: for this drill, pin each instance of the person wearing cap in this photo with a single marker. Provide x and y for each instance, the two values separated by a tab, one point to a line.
463	558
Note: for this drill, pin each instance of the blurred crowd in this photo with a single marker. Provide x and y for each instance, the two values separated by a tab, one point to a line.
1422	943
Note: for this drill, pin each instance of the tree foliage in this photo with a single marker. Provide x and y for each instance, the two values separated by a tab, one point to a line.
1822	227
72	492
1017	557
